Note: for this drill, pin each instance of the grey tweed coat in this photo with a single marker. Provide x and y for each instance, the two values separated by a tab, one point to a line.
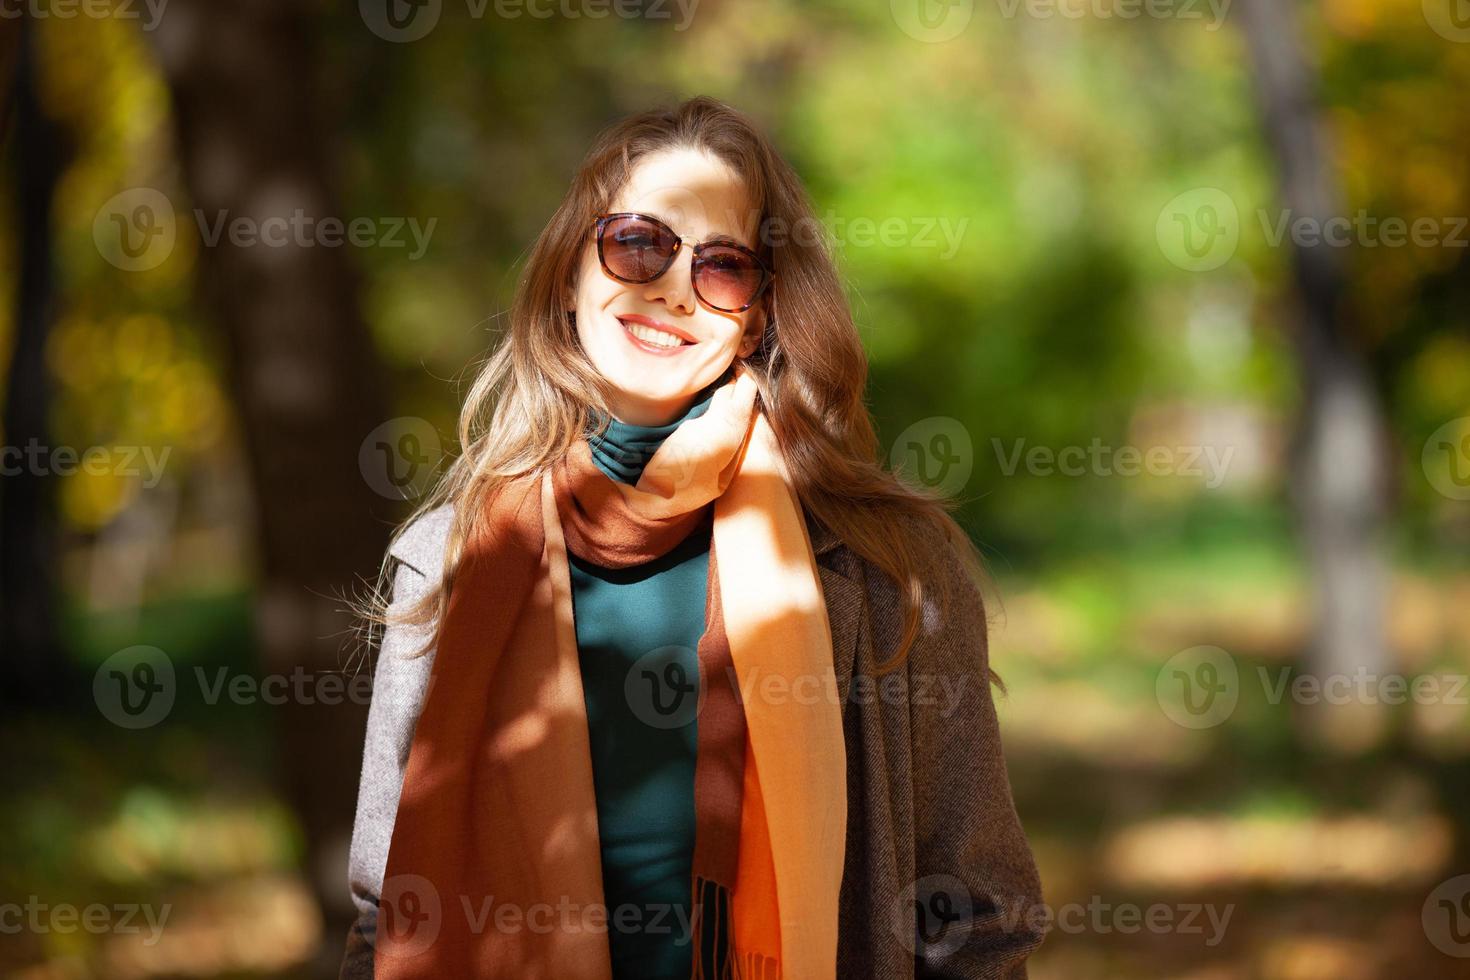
938	879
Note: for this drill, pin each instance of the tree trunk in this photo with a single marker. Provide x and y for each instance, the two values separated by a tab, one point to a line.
37	672
1340	458
306	381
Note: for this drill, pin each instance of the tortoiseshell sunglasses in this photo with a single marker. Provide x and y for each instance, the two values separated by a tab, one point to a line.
638	248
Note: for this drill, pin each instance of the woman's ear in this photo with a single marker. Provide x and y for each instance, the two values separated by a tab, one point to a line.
750	340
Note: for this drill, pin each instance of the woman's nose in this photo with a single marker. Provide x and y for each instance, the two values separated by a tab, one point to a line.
675	287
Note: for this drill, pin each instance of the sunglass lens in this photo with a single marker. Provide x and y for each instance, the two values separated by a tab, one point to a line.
727	278
636	249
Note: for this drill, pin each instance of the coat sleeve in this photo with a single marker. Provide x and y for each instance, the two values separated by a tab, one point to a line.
400	686
977	894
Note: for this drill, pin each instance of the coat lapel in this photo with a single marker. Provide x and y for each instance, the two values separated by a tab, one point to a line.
844	600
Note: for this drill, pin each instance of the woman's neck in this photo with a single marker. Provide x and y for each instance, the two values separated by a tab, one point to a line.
624	448
648	415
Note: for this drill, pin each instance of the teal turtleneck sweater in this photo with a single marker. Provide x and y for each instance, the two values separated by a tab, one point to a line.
638	630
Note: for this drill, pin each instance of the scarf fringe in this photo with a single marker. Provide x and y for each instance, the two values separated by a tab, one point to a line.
720	961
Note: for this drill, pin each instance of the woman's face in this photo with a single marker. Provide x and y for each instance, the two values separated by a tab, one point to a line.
700	198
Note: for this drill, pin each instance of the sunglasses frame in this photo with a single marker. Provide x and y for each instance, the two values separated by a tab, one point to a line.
766	274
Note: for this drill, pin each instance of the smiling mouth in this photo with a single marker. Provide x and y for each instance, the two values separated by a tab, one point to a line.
650	336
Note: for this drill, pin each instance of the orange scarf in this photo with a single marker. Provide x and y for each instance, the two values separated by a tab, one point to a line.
494	869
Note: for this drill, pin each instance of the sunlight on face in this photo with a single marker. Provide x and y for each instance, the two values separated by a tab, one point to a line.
700	198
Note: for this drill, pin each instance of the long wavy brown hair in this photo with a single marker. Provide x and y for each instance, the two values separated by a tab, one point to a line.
537	392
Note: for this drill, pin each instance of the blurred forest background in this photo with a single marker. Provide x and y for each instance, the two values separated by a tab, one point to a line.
1197	442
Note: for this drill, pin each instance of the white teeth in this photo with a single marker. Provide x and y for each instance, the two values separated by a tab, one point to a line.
656	337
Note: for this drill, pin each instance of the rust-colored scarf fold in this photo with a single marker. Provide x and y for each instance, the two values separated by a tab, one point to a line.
495	869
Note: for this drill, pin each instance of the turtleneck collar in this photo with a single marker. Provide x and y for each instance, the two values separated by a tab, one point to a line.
625	449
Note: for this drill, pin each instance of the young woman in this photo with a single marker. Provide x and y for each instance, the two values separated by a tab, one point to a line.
677	681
